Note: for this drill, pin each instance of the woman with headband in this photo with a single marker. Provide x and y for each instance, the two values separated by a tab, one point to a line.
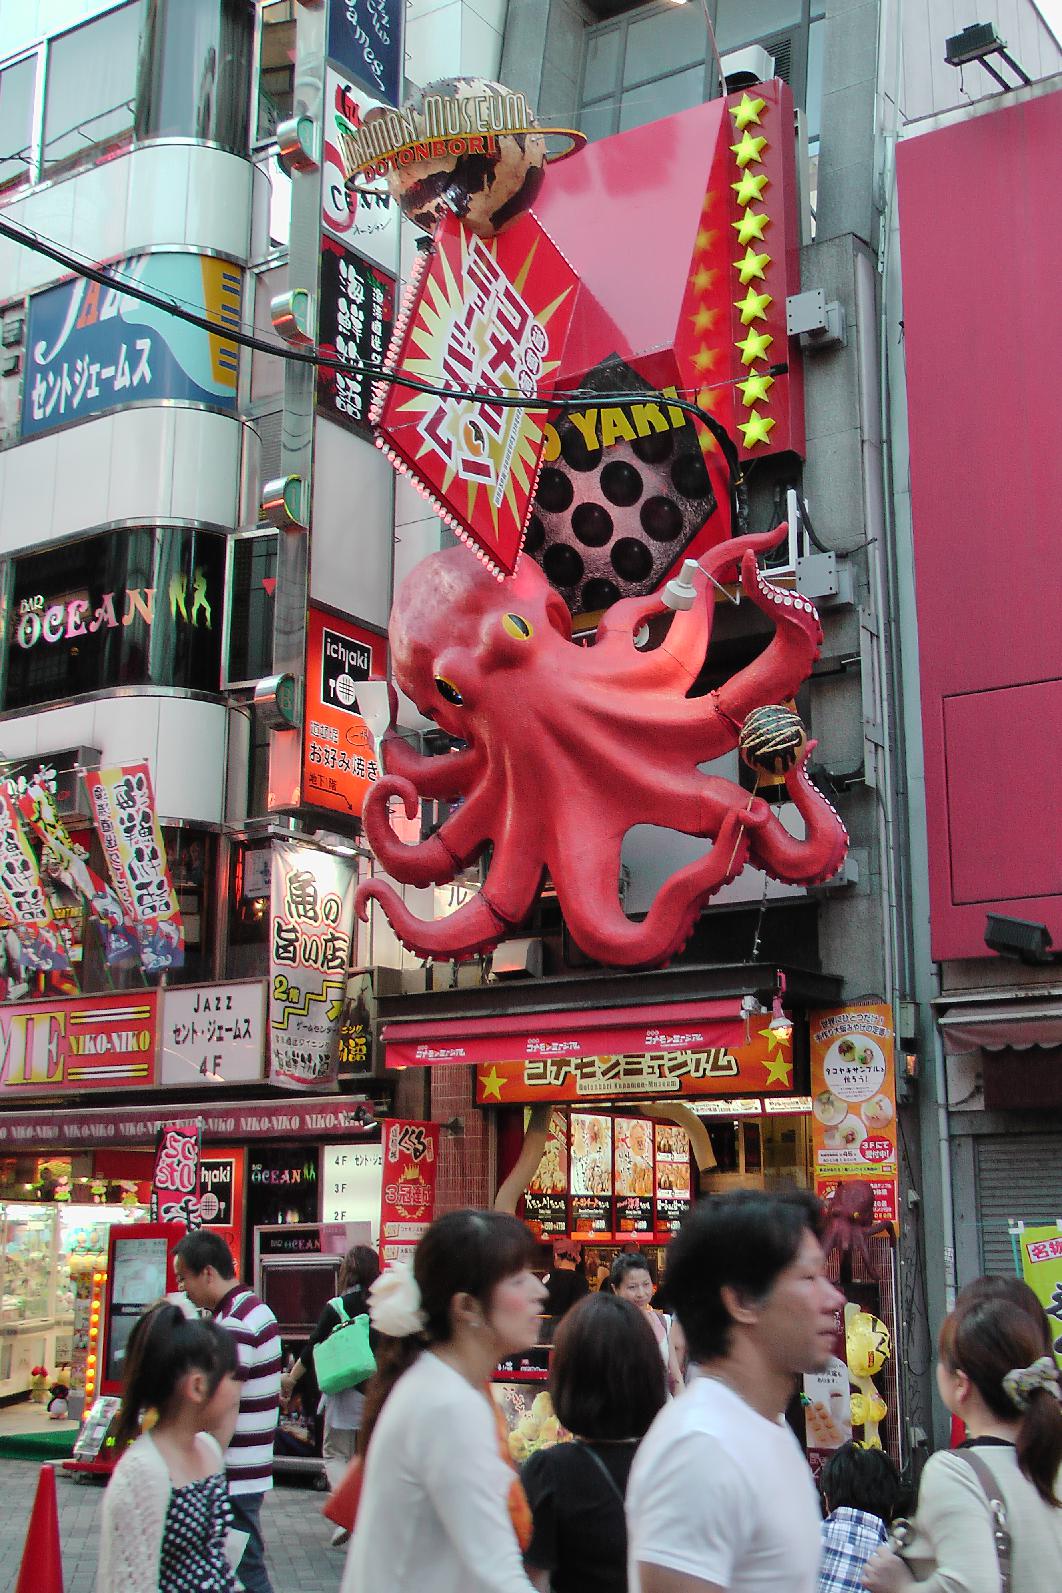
991	1509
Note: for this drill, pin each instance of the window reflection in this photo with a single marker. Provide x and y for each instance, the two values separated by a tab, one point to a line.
91	87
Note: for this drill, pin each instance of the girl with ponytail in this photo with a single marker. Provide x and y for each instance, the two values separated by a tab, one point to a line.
994	1375
166	1514
441	1509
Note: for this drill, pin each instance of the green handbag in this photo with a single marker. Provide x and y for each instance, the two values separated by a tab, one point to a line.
344	1359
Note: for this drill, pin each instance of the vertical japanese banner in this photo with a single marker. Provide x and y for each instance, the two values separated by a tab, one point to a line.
175	1191
546	1196
24	905
38	807
123	801
853	1088
410	1174
311	935
673	1185
1041	1267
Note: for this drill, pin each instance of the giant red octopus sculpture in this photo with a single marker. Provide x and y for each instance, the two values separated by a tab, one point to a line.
569	746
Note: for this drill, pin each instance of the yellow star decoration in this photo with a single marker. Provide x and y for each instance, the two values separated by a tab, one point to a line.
755	346
754	389
753	306
757	429
704	359
751	266
776	1062
750	189
747	112
492	1083
703	279
705	239
747	150
704	320
750	228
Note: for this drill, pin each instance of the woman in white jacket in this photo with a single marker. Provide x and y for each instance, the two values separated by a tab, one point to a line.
992	1373
442	1510
166	1514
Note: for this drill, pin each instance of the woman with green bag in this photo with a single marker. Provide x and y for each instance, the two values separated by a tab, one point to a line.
342	1411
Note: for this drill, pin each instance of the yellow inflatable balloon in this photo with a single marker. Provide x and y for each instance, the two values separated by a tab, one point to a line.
868	1344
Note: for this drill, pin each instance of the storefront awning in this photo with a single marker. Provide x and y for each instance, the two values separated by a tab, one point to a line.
1001	1025
48	1127
680	1026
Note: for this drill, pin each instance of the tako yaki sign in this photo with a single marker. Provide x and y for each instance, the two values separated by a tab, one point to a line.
853	1089
765	1063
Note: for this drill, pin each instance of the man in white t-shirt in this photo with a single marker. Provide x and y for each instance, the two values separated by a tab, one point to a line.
720	1498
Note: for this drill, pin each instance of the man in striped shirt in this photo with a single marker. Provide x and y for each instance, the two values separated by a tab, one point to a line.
207	1274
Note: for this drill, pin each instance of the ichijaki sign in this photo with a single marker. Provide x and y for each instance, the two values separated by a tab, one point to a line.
86	1044
764	1063
340	765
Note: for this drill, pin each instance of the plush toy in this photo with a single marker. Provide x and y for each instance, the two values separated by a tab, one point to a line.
850	1223
38	1384
58	1408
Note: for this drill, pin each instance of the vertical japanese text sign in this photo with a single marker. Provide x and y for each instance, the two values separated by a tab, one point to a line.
311	931
123	801
24	905
410	1174
175	1192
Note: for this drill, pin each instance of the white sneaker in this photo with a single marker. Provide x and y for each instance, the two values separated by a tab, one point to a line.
339	1537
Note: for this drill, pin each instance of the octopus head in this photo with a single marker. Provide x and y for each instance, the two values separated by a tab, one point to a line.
455	629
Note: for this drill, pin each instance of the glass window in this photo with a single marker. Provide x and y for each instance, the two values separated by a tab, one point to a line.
135	607
664	42
738	22
276	71
596	120
17	85
91	86
680	92
254	569
602	60
199	74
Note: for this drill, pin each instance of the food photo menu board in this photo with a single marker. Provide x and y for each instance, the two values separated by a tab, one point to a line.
606	1176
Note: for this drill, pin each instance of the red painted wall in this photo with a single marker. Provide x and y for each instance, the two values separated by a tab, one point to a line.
981	247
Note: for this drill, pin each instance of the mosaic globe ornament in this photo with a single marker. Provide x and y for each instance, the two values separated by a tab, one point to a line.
772	739
487	190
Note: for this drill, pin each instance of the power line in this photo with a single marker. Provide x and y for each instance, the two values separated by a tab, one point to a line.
565	399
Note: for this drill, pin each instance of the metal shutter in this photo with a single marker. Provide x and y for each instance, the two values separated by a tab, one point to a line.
1018	1175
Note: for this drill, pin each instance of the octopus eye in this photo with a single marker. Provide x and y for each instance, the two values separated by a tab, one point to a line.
515	625
447	689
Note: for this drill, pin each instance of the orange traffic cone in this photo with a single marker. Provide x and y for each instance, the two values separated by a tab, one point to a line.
41	1570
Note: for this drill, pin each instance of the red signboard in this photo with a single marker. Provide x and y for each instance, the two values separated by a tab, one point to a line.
175	1186
78	1046
343	1118
487	316
546	1035
668	1070
407	1197
339	765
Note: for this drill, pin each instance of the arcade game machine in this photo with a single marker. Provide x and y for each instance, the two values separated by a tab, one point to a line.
139	1272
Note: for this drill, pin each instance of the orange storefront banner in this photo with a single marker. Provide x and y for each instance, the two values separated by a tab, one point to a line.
339	763
764	1064
853	1092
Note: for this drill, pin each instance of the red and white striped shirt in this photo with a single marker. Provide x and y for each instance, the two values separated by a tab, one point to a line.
249	1458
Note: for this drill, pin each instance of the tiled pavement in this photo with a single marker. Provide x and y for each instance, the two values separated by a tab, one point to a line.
296	1534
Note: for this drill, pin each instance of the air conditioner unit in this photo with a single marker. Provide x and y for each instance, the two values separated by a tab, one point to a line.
742	68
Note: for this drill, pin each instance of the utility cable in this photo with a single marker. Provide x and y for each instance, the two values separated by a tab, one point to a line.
564	399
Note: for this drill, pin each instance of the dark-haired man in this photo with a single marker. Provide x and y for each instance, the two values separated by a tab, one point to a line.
206	1273
721	1499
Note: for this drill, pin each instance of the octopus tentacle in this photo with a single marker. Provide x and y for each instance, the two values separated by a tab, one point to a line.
785	665
475	927
603	930
452	847
449	775
677	662
822	851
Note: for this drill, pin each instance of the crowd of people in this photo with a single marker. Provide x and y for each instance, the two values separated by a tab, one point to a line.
681	1473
